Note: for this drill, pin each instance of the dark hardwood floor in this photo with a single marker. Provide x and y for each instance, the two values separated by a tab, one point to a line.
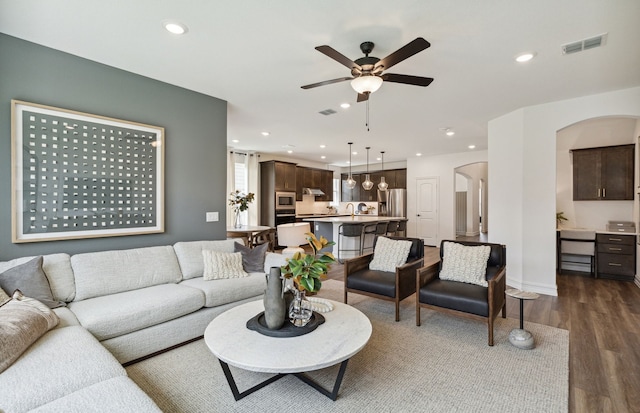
603	319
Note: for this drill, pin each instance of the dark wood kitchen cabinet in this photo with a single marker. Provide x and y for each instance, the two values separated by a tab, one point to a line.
396	178
604	173
616	256
314	178
285	176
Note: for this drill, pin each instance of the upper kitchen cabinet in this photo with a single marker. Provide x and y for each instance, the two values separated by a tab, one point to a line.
316	179
278	176
604	173
285	176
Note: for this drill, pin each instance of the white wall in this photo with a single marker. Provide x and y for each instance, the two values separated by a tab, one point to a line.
443	167
587	134
522	178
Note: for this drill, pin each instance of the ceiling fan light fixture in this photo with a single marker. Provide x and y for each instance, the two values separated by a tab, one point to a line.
366	83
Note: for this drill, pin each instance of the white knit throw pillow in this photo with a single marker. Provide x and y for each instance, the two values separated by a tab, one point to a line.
389	254
467	264
219	265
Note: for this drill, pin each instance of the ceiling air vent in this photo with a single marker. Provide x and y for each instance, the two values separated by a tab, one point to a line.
584	44
328	112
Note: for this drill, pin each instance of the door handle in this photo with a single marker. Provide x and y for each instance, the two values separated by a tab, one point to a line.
615	264
598	192
604	192
417	215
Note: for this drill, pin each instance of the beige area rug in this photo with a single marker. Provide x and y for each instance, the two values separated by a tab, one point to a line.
443	366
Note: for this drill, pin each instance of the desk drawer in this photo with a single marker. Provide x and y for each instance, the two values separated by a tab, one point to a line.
615	239
616	249
616	264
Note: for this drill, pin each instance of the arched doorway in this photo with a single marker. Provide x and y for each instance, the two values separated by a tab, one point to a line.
470	203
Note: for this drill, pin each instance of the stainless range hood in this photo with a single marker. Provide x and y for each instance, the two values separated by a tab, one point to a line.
312	191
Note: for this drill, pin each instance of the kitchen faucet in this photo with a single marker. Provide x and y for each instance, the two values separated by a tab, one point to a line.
352	208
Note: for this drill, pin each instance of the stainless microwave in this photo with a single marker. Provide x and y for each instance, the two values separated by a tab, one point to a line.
285	200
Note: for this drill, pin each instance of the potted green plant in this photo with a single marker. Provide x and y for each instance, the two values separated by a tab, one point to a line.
559	218
307	271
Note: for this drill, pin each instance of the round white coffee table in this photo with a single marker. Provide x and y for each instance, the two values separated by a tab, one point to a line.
344	333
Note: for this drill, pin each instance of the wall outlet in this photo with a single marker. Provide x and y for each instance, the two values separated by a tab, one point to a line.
212	217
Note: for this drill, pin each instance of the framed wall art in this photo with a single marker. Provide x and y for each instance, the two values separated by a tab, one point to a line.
78	175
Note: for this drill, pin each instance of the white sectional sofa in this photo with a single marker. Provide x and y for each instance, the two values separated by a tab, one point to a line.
121	306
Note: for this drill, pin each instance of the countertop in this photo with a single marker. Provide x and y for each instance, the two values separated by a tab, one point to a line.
599	231
345	219
320	215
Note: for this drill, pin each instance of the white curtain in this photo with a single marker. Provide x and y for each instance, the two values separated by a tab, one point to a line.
231	184
253	185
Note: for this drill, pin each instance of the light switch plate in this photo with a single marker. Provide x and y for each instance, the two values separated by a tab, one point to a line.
212	217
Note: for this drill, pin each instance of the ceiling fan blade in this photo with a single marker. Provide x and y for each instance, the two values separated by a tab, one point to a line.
338	57
326	82
407	79
403	53
362	97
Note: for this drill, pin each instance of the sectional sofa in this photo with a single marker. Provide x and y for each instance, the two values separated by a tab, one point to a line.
120	306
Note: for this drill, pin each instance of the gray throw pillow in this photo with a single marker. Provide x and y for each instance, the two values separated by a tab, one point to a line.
31	280
252	259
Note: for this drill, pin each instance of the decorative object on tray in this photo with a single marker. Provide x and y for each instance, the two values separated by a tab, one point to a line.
258	324
306	271
274	303
320	305
240	202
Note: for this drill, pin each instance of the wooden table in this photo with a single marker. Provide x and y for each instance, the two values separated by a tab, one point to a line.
247	230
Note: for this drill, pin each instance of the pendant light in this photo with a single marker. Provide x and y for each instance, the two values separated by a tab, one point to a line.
382	185
351	183
367	184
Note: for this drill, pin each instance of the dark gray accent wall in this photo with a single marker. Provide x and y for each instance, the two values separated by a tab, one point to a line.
195	139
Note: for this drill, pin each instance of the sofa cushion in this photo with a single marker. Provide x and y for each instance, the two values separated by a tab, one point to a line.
273	259
465	264
468	298
63	361
121	313
252	258
29	278
190	255
219	265
57	268
389	254
219	292
110	272
118	394
23	320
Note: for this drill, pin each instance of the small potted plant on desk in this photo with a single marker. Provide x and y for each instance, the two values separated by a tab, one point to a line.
306	271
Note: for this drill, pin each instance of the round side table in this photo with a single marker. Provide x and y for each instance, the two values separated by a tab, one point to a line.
520	337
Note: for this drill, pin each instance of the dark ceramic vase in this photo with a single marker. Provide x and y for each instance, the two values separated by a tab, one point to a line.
274	305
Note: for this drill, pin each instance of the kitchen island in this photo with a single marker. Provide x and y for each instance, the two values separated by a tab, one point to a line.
328	227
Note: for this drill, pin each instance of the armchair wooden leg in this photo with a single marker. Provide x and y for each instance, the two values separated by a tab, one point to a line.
504	310
397	310
417	313
345	294
490	325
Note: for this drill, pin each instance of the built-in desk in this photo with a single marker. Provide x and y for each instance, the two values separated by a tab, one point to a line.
615	254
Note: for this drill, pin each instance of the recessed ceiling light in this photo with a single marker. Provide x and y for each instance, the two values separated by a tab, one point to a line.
354	152
345	105
175	27
525	57
450	133
289	151
348	162
323	146
265	133
472	146
235	141
378	159
418	154
323	157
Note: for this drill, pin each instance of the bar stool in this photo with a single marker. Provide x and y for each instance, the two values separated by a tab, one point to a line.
352	231
402	228
378	229
392	228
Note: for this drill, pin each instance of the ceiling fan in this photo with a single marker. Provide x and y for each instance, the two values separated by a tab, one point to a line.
367	72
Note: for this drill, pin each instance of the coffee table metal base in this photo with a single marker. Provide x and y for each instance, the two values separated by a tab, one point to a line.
333	395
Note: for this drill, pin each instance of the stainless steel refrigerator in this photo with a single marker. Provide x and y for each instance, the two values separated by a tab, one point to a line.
392	203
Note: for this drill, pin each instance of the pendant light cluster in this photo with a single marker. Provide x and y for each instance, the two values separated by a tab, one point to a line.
367	185
351	183
382	185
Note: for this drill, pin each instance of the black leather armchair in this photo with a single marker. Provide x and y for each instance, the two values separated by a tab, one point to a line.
358	278
467	300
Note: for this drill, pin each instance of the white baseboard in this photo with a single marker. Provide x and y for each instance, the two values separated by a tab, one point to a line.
546	289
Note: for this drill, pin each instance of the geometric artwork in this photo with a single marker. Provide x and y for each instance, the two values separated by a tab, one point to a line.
77	175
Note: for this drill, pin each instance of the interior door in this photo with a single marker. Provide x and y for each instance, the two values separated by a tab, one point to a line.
427	210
